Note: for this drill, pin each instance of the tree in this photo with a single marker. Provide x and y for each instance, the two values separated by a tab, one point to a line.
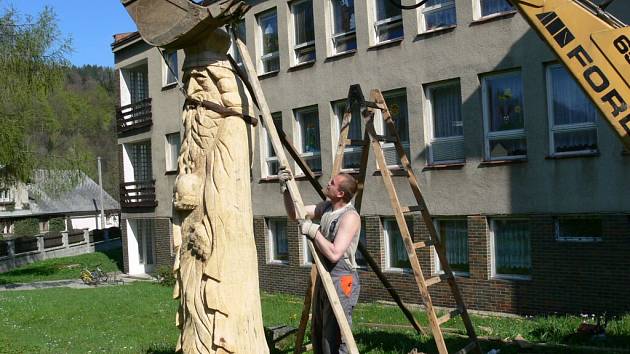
33	60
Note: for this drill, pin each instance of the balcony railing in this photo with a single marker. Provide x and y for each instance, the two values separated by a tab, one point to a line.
133	117
138	194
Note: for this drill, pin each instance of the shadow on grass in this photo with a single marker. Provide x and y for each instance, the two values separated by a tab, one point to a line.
31	271
116	256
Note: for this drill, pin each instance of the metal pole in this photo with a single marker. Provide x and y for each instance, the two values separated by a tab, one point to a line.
100	183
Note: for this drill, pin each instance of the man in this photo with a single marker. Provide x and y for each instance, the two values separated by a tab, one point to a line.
336	238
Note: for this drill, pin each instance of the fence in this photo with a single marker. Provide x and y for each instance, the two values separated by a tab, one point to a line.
24	250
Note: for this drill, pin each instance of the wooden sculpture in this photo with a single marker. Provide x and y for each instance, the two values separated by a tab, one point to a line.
216	262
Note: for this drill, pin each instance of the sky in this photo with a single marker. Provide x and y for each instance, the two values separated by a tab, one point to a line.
90	23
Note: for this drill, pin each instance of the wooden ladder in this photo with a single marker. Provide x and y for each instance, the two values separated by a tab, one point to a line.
370	137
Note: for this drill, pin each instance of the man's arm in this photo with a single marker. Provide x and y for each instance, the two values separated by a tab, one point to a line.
334	251
312	211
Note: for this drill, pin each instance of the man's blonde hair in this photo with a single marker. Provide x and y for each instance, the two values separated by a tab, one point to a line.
348	186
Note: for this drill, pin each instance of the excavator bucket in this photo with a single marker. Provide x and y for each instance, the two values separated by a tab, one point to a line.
174	24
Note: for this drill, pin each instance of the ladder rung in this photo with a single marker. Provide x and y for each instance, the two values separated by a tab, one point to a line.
468	348
386	138
448	316
372	104
355	142
436	279
423	244
411	209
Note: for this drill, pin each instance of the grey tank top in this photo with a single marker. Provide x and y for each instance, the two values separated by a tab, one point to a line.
329	225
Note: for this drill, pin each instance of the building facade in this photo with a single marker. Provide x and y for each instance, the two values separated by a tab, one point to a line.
526	182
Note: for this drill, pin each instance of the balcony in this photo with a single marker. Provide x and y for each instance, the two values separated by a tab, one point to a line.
138	194
134	118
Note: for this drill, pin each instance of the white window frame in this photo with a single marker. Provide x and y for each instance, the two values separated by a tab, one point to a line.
334	37
264	149
561	238
565	127
506	134
270	240
297	113
428	113
259	41
166	72
336	121
168	157
493	263
378	25
477	11
424	10
437	264
299	46
387	257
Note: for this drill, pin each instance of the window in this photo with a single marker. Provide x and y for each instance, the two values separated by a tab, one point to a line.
572	115
302	15
388	25
173	145
436	14
136	80
446	126
454	237
344	38
361	261
307	255
144	236
504	119
170	68
271	160
395	252
511	248
396	101
278	241
579	229
491	7
308	136
140	158
239	29
268	37
6	195
352	153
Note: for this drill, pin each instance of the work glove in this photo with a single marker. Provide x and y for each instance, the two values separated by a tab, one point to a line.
308	228
284	175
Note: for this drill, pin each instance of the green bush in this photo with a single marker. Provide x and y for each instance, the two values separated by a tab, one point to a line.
56	225
165	276
26	227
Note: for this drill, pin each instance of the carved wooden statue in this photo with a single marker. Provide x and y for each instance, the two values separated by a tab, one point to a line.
216	262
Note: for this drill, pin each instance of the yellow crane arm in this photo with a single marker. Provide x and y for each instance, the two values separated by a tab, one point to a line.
594	46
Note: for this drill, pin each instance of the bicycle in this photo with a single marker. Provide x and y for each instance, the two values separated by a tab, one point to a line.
94	277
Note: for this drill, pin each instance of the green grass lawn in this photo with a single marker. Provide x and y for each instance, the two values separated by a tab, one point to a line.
139	318
64	268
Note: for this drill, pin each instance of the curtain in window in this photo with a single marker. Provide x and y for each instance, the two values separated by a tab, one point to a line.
303	17
138	87
447	117
309	129
397	252
174	145
281	241
512	247
272	161
454	235
505	102
144	236
343	13
570	104
441	17
269	26
489	7
385	9
140	156
172	68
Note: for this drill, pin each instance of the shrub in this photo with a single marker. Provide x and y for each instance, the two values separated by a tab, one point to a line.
26	227
165	276
56	224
